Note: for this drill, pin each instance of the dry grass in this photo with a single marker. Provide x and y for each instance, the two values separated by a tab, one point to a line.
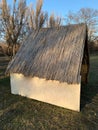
20	113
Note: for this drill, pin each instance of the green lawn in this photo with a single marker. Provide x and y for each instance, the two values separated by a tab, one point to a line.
20	113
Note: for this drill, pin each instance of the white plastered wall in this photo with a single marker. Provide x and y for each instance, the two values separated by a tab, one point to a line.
53	92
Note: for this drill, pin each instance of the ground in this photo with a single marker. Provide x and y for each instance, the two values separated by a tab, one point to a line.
21	113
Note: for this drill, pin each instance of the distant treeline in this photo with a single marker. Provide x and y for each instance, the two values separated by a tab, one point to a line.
93	47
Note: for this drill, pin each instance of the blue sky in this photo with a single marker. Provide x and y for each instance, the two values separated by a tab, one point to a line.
61	7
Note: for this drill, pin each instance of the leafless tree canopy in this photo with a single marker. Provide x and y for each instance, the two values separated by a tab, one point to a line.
13	22
54	21
88	16
37	17
18	20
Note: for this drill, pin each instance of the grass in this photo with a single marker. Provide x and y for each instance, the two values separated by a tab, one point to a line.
4	60
21	113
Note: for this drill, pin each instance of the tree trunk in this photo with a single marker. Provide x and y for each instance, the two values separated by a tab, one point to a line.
13	50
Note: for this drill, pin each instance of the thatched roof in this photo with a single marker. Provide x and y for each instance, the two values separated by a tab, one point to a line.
52	53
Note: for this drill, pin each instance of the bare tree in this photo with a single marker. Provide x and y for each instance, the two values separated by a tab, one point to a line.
13	21
18	20
88	16
54	21
37	17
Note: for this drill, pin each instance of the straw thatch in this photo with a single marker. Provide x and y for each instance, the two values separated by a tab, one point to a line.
52	53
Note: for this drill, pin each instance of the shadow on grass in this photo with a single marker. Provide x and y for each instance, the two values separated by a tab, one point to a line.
6	98
90	91
5	81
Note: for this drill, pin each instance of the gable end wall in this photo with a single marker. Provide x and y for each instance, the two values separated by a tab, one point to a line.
52	92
